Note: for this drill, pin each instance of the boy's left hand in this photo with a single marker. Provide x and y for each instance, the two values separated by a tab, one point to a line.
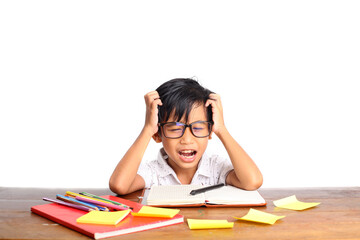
217	110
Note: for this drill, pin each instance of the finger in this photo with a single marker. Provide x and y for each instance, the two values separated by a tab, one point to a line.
214	96
209	102
150	93
154	105
151	96
213	103
156	102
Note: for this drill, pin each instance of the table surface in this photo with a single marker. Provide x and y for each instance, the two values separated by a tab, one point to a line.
337	217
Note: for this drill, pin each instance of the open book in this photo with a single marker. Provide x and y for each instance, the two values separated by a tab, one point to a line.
179	195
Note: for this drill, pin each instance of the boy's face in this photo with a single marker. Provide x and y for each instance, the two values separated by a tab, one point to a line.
185	152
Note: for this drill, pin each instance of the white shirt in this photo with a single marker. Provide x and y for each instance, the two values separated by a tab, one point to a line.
211	170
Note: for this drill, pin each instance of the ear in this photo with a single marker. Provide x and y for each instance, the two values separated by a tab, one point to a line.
157	138
210	136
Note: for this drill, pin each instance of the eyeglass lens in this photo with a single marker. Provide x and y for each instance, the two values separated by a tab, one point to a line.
176	130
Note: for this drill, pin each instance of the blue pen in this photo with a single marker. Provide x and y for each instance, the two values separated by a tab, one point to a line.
205	189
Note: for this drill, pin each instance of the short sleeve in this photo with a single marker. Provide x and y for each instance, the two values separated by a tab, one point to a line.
145	171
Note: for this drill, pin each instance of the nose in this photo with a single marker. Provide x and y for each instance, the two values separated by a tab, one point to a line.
187	138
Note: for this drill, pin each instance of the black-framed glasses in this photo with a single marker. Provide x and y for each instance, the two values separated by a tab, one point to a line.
199	129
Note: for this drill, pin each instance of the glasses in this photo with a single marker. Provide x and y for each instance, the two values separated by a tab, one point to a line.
174	130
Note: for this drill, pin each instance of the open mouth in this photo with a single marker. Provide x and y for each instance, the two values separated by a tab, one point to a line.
187	155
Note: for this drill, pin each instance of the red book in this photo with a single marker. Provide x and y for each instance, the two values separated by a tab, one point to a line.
67	216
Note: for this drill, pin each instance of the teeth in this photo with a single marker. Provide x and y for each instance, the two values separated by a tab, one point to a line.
187	151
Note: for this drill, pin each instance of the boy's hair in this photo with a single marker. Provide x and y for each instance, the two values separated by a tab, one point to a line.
179	96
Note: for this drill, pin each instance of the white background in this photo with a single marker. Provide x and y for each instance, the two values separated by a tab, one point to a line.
73	76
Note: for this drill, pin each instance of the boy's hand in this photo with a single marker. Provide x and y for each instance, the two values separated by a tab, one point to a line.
152	101
217	110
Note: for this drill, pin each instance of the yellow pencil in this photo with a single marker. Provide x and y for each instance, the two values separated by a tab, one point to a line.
79	195
72	194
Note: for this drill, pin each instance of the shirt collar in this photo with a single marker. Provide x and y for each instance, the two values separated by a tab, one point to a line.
162	160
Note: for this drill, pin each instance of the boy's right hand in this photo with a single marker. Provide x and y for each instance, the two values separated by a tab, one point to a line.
152	101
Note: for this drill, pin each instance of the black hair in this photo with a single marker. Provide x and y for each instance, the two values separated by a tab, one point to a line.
180	95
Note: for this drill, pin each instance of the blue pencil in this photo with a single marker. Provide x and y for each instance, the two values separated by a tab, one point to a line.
74	201
82	203
83	208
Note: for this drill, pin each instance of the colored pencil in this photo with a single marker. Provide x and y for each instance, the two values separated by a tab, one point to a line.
104	199
109	205
72	194
75	201
68	204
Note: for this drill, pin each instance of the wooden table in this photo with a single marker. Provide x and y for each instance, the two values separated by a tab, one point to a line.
337	217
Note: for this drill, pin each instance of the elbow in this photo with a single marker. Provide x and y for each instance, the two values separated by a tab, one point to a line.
249	183
117	188
255	183
122	185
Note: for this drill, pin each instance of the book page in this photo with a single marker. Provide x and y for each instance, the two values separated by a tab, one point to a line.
174	195
232	195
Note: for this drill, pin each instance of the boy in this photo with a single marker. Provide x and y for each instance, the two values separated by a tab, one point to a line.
183	116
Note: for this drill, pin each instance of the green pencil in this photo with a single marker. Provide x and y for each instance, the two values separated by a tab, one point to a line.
104	199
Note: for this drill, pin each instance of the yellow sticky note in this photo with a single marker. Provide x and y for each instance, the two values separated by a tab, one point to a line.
209	223
146	211
294	204
259	216
103	218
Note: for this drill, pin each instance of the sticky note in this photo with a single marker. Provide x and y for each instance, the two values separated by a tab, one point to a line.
259	216
146	211
103	218
294	204
209	223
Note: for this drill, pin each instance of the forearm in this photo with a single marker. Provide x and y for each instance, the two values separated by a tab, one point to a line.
246	174
125	172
